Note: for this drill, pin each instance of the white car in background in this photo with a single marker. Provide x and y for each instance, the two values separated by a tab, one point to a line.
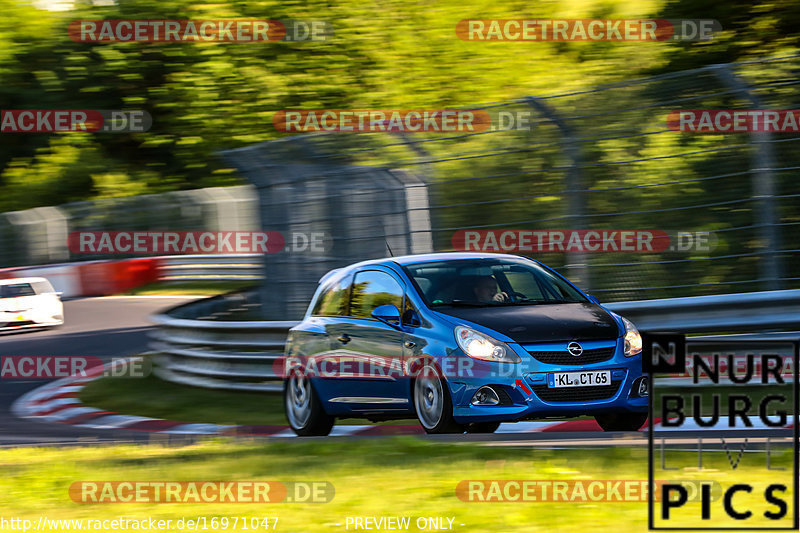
29	303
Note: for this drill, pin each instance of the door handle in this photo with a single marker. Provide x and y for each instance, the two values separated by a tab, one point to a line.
344	338
410	344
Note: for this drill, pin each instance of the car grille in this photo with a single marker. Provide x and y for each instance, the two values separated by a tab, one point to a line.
594	355
577	394
505	399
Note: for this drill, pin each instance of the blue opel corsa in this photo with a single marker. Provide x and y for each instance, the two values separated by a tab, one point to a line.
463	342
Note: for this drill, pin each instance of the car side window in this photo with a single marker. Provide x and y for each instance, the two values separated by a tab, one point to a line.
372	288
43	287
333	300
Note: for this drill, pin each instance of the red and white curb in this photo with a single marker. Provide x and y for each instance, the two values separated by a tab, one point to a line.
58	402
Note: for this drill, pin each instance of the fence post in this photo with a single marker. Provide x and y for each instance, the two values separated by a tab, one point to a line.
423	222
577	263
762	161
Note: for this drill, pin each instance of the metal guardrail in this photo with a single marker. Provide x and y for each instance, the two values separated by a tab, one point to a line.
754	311
199	345
239	267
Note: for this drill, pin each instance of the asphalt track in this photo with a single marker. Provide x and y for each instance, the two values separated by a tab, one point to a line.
98	327
117	327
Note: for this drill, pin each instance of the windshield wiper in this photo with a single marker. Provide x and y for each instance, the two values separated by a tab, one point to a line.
462	303
539	302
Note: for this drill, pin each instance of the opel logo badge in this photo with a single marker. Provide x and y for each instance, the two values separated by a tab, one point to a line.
574	348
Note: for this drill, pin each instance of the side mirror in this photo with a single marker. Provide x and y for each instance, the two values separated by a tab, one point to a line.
593	299
388	314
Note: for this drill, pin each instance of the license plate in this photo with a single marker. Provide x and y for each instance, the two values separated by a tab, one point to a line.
579	379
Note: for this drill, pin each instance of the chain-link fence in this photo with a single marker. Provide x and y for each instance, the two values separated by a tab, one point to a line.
39	236
602	159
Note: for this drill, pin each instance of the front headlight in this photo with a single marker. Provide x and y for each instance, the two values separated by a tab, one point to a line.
483	347
633	341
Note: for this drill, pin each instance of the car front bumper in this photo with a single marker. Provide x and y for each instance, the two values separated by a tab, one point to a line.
528	396
22	319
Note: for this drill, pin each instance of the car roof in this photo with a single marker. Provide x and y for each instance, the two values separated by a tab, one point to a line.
425	258
449	256
14	281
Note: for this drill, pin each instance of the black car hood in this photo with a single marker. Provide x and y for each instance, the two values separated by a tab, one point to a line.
542	323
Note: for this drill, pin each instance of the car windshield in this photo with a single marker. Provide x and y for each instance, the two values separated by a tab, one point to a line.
16	289
487	282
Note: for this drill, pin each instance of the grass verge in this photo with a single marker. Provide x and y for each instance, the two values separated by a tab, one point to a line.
371	477
189	288
155	398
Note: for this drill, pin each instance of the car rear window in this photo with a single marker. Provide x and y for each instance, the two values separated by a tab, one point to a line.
16	289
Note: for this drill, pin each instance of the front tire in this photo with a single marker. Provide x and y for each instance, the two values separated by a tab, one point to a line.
621	421
432	402
303	408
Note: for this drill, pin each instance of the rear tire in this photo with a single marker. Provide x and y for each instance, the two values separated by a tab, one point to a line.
483	427
621	421
432	402
303	408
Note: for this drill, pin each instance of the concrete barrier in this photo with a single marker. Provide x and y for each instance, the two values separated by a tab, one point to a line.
93	278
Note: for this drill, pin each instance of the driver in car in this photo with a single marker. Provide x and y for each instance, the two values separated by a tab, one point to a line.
486	290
